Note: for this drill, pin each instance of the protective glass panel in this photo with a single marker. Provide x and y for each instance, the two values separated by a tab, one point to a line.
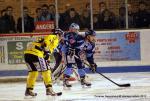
139	13
109	14
41	15
10	12
74	11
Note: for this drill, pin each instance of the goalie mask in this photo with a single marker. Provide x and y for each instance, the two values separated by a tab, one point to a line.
74	28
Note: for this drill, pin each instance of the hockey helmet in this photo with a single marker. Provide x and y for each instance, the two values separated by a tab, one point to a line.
90	32
58	31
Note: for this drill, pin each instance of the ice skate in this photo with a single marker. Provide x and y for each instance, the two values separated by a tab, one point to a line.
29	93
49	91
85	83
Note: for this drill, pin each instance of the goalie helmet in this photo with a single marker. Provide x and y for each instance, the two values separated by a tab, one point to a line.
74	26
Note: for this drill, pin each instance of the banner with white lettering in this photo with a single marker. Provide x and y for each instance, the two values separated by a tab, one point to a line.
44	26
16	51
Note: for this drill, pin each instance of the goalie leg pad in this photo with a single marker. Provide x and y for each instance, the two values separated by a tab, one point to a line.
69	70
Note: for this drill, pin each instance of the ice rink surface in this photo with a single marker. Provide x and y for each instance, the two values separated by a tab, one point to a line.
101	90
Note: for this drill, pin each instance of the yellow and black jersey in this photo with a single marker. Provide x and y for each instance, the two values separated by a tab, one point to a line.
35	48
48	43
51	42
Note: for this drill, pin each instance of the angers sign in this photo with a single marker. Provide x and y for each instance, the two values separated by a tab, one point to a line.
44	26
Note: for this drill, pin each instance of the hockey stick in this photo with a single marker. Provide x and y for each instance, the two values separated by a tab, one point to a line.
120	85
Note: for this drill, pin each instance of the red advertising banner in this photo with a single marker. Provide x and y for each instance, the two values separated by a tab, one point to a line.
44	26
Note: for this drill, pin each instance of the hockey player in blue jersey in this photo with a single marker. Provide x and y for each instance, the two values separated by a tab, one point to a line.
89	48
73	49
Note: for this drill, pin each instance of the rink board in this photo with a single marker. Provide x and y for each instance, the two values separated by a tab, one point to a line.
119	69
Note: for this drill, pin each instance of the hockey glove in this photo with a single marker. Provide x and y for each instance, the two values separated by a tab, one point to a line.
71	51
93	67
46	55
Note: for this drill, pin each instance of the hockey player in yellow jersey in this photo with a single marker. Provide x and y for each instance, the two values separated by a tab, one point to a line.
36	55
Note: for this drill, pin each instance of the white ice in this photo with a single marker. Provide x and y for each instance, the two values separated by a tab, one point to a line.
101	90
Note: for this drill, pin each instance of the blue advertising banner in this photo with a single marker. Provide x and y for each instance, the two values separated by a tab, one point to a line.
117	46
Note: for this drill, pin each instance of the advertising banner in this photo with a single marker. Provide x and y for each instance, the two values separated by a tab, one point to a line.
117	46
15	51
113	46
44	26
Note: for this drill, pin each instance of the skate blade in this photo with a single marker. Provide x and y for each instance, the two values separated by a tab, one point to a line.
66	88
59	94
85	86
29	97
56	94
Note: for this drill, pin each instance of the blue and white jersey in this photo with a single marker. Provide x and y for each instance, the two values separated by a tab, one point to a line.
89	49
73	40
58	49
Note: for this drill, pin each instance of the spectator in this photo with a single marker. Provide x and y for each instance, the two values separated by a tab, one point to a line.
3	12
108	20
28	22
102	7
132	10
106	17
38	14
64	15
142	18
122	17
85	19
87	7
95	22
46	16
73	17
67	7
7	21
52	10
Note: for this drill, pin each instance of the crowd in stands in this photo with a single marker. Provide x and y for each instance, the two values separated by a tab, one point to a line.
104	19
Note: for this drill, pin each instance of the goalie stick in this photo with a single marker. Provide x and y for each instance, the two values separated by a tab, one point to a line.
120	85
